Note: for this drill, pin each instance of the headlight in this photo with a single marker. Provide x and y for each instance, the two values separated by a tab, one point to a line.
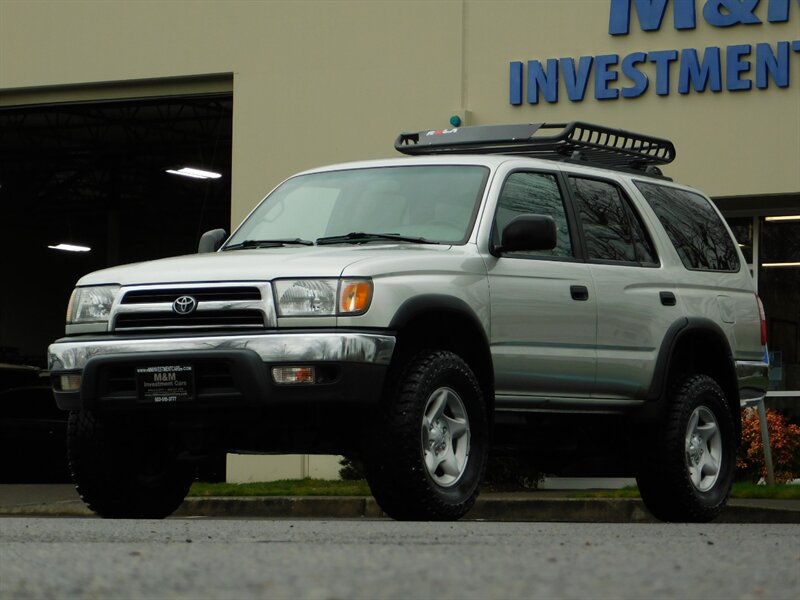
91	304
322	297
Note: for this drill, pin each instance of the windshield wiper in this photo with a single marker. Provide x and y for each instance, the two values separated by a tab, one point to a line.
360	237
268	243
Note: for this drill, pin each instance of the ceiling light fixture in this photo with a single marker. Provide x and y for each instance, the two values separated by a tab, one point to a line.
783	264
783	218
195	173
70	248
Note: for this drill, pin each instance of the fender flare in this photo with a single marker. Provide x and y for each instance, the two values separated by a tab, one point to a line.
426	303
419	305
676	332
657	397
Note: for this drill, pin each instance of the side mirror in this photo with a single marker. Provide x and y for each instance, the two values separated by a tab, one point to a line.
210	241
528	232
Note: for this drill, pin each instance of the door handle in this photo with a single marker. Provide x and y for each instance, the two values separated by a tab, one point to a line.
579	292
667	298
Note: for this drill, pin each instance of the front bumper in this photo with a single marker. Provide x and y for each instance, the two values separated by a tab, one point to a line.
229	369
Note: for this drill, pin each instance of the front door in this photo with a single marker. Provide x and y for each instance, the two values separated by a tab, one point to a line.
544	311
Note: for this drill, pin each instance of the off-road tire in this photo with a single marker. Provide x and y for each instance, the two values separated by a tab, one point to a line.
122	471
664	476
395	464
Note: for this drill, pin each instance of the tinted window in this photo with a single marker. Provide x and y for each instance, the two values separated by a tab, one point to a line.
537	194
694	227
612	230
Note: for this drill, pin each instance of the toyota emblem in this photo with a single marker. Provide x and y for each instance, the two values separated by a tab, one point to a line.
184	305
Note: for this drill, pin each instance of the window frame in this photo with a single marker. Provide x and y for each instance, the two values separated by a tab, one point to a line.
578	254
632	211
463	241
740	259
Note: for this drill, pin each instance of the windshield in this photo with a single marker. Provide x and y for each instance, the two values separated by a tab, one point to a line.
432	203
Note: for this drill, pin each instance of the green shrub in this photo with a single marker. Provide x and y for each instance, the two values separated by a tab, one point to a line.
352	469
784	441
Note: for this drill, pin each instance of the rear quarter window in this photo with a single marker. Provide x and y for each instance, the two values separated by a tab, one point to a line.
694	227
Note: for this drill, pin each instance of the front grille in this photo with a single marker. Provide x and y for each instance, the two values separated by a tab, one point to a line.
210	294
218	307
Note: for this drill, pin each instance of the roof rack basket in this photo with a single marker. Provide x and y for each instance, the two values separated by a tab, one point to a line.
610	148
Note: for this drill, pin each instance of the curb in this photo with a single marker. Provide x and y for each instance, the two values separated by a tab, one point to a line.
294	507
552	510
67	508
499	509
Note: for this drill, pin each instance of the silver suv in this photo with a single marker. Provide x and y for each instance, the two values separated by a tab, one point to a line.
540	290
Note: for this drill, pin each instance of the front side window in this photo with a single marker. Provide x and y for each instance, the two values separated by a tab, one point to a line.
437	203
693	226
613	232
526	193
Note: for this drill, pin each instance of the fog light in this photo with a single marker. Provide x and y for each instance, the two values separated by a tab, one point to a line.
293	374
70	383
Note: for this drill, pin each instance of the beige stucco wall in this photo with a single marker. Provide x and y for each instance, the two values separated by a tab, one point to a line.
320	82
243	468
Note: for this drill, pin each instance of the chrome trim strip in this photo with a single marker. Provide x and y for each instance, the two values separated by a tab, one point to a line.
205	306
753	376
278	347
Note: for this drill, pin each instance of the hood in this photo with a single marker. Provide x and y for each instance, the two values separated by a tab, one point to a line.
262	264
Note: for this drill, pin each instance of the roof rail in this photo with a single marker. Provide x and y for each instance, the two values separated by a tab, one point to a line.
575	141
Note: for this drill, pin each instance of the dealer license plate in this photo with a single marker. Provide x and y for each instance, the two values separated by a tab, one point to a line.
165	384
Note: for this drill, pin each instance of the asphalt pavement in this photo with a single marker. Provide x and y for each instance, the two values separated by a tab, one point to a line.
59	500
380	559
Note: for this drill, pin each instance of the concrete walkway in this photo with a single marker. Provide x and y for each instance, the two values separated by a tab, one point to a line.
538	506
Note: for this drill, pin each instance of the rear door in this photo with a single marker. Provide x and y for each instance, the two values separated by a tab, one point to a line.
636	300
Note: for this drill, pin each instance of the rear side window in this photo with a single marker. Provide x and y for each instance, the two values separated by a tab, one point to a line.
695	228
612	230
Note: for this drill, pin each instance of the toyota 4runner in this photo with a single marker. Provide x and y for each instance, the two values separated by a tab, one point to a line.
523	288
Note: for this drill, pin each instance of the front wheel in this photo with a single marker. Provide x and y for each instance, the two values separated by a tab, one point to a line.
689	469
125	471
429	446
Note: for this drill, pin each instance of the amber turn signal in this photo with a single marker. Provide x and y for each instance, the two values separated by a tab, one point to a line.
354	296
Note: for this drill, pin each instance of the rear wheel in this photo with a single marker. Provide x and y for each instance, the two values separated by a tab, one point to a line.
124	471
689	467
428	451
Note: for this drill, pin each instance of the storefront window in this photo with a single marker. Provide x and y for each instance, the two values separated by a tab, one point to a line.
775	242
779	288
